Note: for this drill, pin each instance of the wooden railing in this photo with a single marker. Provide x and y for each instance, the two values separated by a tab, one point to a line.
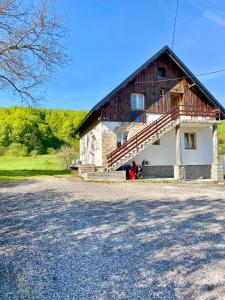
183	110
195	111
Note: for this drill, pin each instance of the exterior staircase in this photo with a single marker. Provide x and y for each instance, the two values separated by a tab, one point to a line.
142	140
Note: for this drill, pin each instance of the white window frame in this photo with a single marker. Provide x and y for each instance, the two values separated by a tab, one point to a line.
195	141
123	133
137	94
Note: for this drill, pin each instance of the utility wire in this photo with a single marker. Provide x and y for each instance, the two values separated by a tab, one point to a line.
175	23
180	78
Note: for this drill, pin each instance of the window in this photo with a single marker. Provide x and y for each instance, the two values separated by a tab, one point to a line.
162	92
190	140
121	137
161	72
137	102
156	142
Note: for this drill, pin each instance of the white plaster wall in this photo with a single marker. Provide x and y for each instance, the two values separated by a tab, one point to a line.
203	154
152	117
91	146
163	154
91	142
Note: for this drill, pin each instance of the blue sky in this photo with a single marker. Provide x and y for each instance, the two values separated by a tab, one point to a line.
109	39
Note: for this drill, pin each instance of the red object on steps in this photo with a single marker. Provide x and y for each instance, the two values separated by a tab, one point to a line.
132	175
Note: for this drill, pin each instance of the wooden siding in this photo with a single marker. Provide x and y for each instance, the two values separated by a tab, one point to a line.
118	108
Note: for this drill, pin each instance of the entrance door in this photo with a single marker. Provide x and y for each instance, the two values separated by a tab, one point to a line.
175	101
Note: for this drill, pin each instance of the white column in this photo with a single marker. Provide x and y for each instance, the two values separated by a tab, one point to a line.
217	168
178	146
215	145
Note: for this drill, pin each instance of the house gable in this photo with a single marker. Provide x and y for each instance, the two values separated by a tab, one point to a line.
117	105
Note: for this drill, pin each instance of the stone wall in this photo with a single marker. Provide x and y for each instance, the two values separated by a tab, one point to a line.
217	172
108	145
179	172
106	176
134	128
198	171
83	169
182	172
158	171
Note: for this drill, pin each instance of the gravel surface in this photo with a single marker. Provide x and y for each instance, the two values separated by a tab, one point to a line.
69	239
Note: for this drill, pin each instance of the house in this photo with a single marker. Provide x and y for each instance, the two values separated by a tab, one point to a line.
161	113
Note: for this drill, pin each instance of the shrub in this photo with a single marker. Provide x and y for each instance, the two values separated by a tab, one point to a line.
66	154
17	149
34	153
51	150
222	149
2	150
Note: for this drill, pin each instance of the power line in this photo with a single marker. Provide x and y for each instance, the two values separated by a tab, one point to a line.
175	23
180	78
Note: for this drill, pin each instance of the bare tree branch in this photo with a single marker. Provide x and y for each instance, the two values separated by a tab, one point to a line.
31	46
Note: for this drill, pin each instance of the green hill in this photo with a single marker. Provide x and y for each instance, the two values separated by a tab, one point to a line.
221	133
27	128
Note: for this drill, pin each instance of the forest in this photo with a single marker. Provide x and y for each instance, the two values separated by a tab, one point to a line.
26	129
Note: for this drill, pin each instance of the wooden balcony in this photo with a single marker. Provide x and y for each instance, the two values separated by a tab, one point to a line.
195	111
181	110
140	116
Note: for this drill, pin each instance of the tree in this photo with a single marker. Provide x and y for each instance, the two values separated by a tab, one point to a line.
66	154
31	45
35	142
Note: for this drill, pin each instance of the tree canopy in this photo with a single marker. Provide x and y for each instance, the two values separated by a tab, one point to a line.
39	129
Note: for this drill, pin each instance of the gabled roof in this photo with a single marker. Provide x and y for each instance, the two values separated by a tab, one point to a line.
177	61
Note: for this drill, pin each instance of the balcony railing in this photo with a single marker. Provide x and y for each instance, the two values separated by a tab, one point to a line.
140	116
195	111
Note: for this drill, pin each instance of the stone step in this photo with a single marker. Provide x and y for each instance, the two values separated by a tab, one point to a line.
106	176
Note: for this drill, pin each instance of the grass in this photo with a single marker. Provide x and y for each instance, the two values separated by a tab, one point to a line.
13	168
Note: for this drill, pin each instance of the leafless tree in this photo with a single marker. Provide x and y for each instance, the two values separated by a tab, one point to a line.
31	45
66	154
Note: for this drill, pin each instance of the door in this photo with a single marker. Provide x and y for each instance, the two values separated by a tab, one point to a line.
175	101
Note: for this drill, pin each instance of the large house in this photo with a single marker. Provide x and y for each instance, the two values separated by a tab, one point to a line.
161	113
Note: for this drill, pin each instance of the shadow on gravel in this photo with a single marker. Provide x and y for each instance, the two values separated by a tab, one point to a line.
14	183
53	246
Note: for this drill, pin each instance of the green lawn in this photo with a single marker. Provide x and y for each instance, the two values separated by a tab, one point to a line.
12	168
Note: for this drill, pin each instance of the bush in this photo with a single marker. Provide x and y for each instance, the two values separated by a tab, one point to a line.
51	150
66	154
17	149
222	149
2	150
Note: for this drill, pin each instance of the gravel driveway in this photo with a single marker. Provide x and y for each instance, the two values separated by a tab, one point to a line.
69	239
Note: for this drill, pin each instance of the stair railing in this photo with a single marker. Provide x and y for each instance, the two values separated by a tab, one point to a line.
154	127
141	136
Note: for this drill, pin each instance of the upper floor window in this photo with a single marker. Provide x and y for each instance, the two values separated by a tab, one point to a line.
161	72
162	92
190	140
137	102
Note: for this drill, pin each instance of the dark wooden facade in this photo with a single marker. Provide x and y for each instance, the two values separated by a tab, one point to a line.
177	92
